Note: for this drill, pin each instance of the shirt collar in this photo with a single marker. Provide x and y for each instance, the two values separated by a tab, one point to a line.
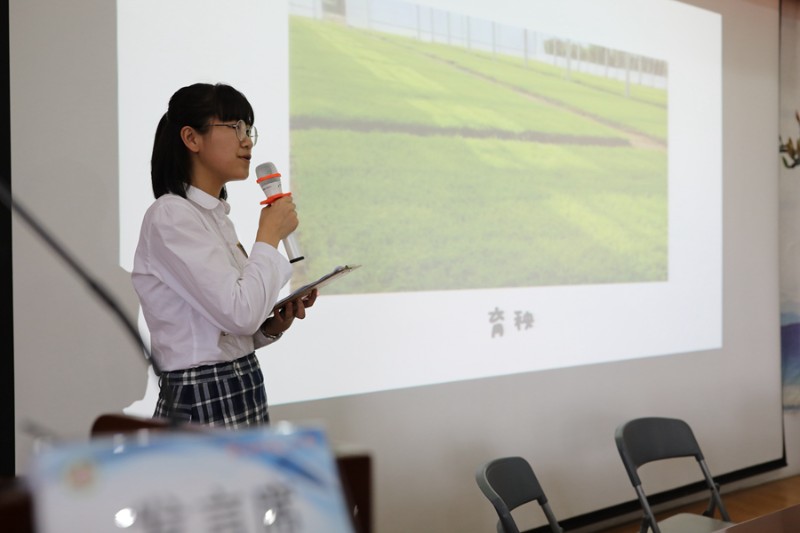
205	200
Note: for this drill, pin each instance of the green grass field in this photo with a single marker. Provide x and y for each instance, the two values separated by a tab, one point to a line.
424	208
341	73
604	98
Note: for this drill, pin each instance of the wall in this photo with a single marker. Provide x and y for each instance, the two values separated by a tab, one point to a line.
426	442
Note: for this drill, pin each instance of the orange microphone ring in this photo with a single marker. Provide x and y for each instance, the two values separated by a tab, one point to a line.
274	197
268	176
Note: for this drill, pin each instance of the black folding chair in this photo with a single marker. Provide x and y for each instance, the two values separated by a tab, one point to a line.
509	482
645	440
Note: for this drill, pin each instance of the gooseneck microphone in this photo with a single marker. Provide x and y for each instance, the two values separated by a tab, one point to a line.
8	200
269	179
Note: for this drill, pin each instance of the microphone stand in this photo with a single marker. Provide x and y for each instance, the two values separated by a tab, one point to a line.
94	286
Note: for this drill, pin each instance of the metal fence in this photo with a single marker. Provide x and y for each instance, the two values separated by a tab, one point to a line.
446	27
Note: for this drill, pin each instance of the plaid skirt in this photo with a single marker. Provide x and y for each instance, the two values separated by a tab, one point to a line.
224	394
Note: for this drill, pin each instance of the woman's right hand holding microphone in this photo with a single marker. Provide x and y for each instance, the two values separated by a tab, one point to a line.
277	221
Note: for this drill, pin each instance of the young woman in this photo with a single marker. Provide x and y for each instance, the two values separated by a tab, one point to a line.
207	303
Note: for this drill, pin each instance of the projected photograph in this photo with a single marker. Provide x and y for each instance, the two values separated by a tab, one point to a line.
445	152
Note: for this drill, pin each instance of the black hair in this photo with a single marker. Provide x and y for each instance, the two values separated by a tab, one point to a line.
192	106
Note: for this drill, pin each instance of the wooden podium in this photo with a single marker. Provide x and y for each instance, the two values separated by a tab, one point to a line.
355	471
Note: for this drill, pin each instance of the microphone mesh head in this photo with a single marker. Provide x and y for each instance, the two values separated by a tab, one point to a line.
265	169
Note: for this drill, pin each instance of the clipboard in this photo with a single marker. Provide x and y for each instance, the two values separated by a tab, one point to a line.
335	274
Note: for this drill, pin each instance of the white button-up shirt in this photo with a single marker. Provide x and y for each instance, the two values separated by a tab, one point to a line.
203	299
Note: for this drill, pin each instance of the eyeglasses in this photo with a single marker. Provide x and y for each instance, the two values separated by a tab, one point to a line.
243	131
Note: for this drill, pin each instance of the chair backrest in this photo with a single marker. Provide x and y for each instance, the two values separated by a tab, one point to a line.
644	440
509	482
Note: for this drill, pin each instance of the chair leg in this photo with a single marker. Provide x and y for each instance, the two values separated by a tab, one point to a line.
649	518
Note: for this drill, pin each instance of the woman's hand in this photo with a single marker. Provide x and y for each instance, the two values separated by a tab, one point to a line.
277	221
283	317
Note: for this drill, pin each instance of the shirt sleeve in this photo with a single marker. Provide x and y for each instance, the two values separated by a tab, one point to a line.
260	340
191	256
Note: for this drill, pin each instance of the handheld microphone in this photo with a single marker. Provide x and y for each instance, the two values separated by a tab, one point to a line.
269	179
